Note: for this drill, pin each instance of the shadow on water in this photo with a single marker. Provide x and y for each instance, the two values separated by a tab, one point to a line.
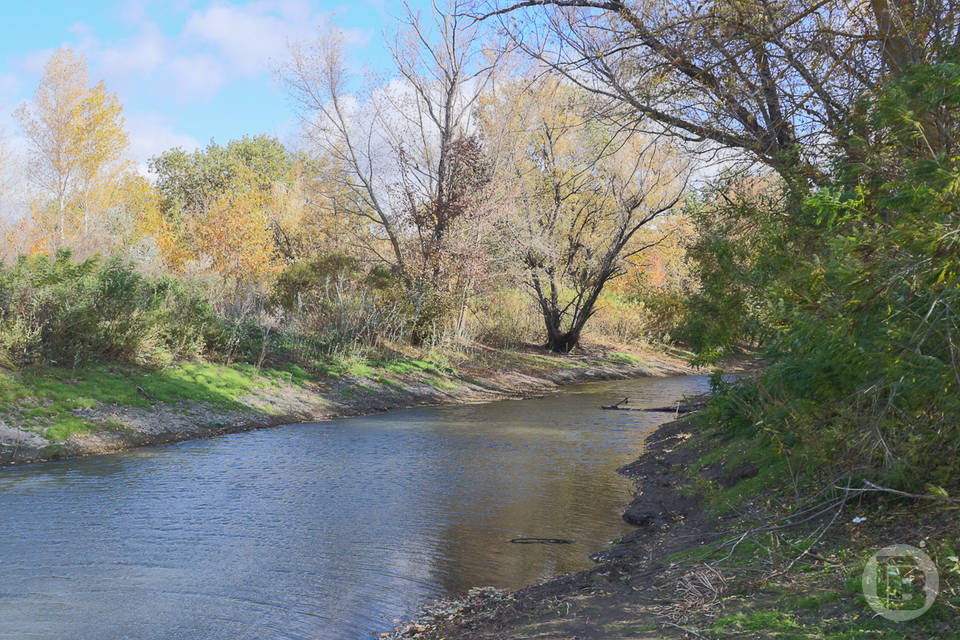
320	530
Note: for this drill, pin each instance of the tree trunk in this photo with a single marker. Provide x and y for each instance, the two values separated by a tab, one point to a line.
563	342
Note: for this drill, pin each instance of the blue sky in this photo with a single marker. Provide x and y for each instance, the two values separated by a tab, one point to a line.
185	71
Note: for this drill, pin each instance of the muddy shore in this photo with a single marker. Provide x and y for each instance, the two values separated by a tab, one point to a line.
632	590
126	427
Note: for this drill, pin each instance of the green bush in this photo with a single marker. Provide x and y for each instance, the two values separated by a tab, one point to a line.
859	291
60	312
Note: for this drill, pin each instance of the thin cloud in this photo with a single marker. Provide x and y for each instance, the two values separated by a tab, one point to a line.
153	133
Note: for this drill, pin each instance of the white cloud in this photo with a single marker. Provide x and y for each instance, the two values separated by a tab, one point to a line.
10	87
134	11
143	54
250	38
254	37
152	134
196	77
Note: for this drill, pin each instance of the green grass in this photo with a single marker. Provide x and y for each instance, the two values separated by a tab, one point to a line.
814	601
442	384
623	358
757	621
729	452
834	616
68	426
46	400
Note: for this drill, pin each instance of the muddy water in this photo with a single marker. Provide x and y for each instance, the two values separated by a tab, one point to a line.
323	530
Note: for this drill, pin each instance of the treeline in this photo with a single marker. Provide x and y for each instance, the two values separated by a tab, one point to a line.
779	176
475	197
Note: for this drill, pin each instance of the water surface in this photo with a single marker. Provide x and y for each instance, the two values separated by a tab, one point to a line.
326	530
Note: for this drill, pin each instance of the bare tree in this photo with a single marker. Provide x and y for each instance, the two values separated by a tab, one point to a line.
775	80
581	191
405	158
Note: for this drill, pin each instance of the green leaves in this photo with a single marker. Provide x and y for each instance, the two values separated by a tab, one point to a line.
854	287
61	312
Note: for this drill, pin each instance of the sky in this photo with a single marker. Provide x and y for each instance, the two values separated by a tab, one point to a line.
186	72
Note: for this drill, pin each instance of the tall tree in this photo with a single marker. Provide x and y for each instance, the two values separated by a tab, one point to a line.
405	160
582	193
77	138
231	205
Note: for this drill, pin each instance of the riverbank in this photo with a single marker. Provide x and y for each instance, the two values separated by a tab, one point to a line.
725	547
62	413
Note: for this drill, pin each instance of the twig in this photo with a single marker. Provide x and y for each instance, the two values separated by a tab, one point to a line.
616	405
871	487
815	541
684	629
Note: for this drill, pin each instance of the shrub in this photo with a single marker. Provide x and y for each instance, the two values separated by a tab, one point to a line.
861	291
332	300
61	312
507	318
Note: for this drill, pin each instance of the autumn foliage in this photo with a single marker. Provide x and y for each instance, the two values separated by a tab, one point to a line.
382	229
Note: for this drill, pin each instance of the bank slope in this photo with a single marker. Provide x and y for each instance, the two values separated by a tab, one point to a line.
56	413
725	549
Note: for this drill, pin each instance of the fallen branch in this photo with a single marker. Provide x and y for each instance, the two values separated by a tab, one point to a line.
680	408
542	541
617	405
870	487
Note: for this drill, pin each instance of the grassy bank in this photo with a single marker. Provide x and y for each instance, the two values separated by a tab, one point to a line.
795	567
727	547
54	412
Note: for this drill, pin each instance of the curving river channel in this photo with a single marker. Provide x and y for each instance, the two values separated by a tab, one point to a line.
327	530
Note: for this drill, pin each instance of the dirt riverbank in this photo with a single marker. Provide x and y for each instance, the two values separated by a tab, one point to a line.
491	375
630	593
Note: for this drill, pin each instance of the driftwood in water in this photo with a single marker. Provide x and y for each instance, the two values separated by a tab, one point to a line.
617	405
542	541
678	408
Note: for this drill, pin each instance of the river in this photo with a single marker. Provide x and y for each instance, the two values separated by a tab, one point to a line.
328	530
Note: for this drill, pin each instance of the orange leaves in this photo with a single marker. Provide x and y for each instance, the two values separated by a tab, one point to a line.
233	233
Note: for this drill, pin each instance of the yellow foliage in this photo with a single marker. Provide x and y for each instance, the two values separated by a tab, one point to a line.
77	138
664	265
236	232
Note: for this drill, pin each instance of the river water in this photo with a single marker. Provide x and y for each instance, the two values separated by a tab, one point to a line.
326	530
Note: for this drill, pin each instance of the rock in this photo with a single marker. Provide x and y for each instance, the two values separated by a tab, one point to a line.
14	437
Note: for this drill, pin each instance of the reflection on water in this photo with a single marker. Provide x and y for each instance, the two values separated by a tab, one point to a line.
323	530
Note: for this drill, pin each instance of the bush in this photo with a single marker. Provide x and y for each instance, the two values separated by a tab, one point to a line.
619	319
332	300
861	288
60	312
507	318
